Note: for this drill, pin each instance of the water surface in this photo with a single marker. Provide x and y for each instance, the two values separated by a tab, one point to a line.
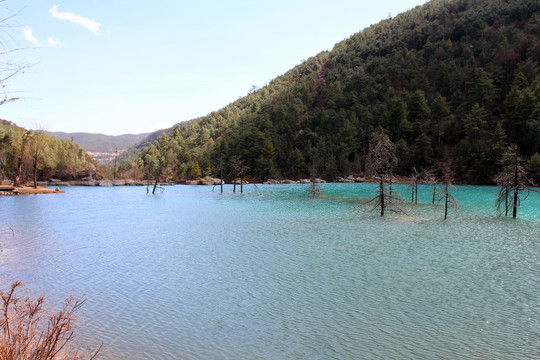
276	274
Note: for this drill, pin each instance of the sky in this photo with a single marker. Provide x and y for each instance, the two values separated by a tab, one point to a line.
128	67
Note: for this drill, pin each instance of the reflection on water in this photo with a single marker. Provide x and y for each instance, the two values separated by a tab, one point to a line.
274	273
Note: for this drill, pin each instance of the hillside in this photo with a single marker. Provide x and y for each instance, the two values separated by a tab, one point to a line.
453	81
40	155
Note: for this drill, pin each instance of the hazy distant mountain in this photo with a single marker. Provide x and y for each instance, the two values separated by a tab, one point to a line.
100	142
101	147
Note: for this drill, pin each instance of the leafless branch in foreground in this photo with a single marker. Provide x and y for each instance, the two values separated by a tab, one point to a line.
28	332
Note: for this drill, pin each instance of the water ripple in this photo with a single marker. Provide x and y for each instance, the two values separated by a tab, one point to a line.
274	273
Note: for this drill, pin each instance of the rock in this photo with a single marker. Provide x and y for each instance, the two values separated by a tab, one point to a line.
193	182
130	182
271	182
288	182
6	182
118	182
105	183
305	181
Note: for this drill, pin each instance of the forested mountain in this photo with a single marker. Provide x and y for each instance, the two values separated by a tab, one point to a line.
453	81
35	153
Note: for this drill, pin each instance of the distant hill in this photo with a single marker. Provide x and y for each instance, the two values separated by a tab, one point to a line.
100	142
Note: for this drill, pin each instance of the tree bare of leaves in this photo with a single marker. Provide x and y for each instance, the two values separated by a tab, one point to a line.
219	168
157	157
380	163
27	332
413	187
514	185
315	187
443	194
239	169
431	177
37	147
10	66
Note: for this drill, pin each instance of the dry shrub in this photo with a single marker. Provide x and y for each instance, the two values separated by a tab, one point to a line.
28	331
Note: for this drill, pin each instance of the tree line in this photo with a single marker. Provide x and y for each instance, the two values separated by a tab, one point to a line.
31	155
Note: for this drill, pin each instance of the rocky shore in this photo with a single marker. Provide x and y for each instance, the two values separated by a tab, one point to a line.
203	181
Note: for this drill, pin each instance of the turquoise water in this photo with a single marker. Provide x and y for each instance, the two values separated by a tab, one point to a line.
276	274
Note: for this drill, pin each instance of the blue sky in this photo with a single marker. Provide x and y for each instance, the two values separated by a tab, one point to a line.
118	67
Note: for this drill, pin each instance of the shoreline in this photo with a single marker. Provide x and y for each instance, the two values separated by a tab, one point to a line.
28	190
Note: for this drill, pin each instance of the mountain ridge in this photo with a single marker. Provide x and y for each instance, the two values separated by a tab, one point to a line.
451	81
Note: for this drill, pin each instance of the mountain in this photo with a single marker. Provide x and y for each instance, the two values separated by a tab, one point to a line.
451	82
101	147
100	142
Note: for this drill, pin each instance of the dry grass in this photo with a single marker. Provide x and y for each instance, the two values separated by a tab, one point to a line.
28	331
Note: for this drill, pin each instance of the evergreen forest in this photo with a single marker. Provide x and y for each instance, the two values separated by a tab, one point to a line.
451	82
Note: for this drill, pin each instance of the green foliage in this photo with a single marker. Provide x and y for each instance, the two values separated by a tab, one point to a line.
43	155
449	82
195	171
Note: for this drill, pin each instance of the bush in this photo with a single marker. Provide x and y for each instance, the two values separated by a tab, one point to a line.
28	333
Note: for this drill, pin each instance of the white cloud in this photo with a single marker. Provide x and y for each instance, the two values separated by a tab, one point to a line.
91	25
28	35
54	42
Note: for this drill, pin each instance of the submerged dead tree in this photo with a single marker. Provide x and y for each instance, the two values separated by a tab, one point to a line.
513	183
443	194
415	177
239	169
431	178
380	163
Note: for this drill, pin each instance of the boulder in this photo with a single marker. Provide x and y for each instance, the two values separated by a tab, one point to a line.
130	182
118	182
105	183
305	181
287	181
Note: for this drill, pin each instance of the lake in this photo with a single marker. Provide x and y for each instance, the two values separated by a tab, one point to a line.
274	273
